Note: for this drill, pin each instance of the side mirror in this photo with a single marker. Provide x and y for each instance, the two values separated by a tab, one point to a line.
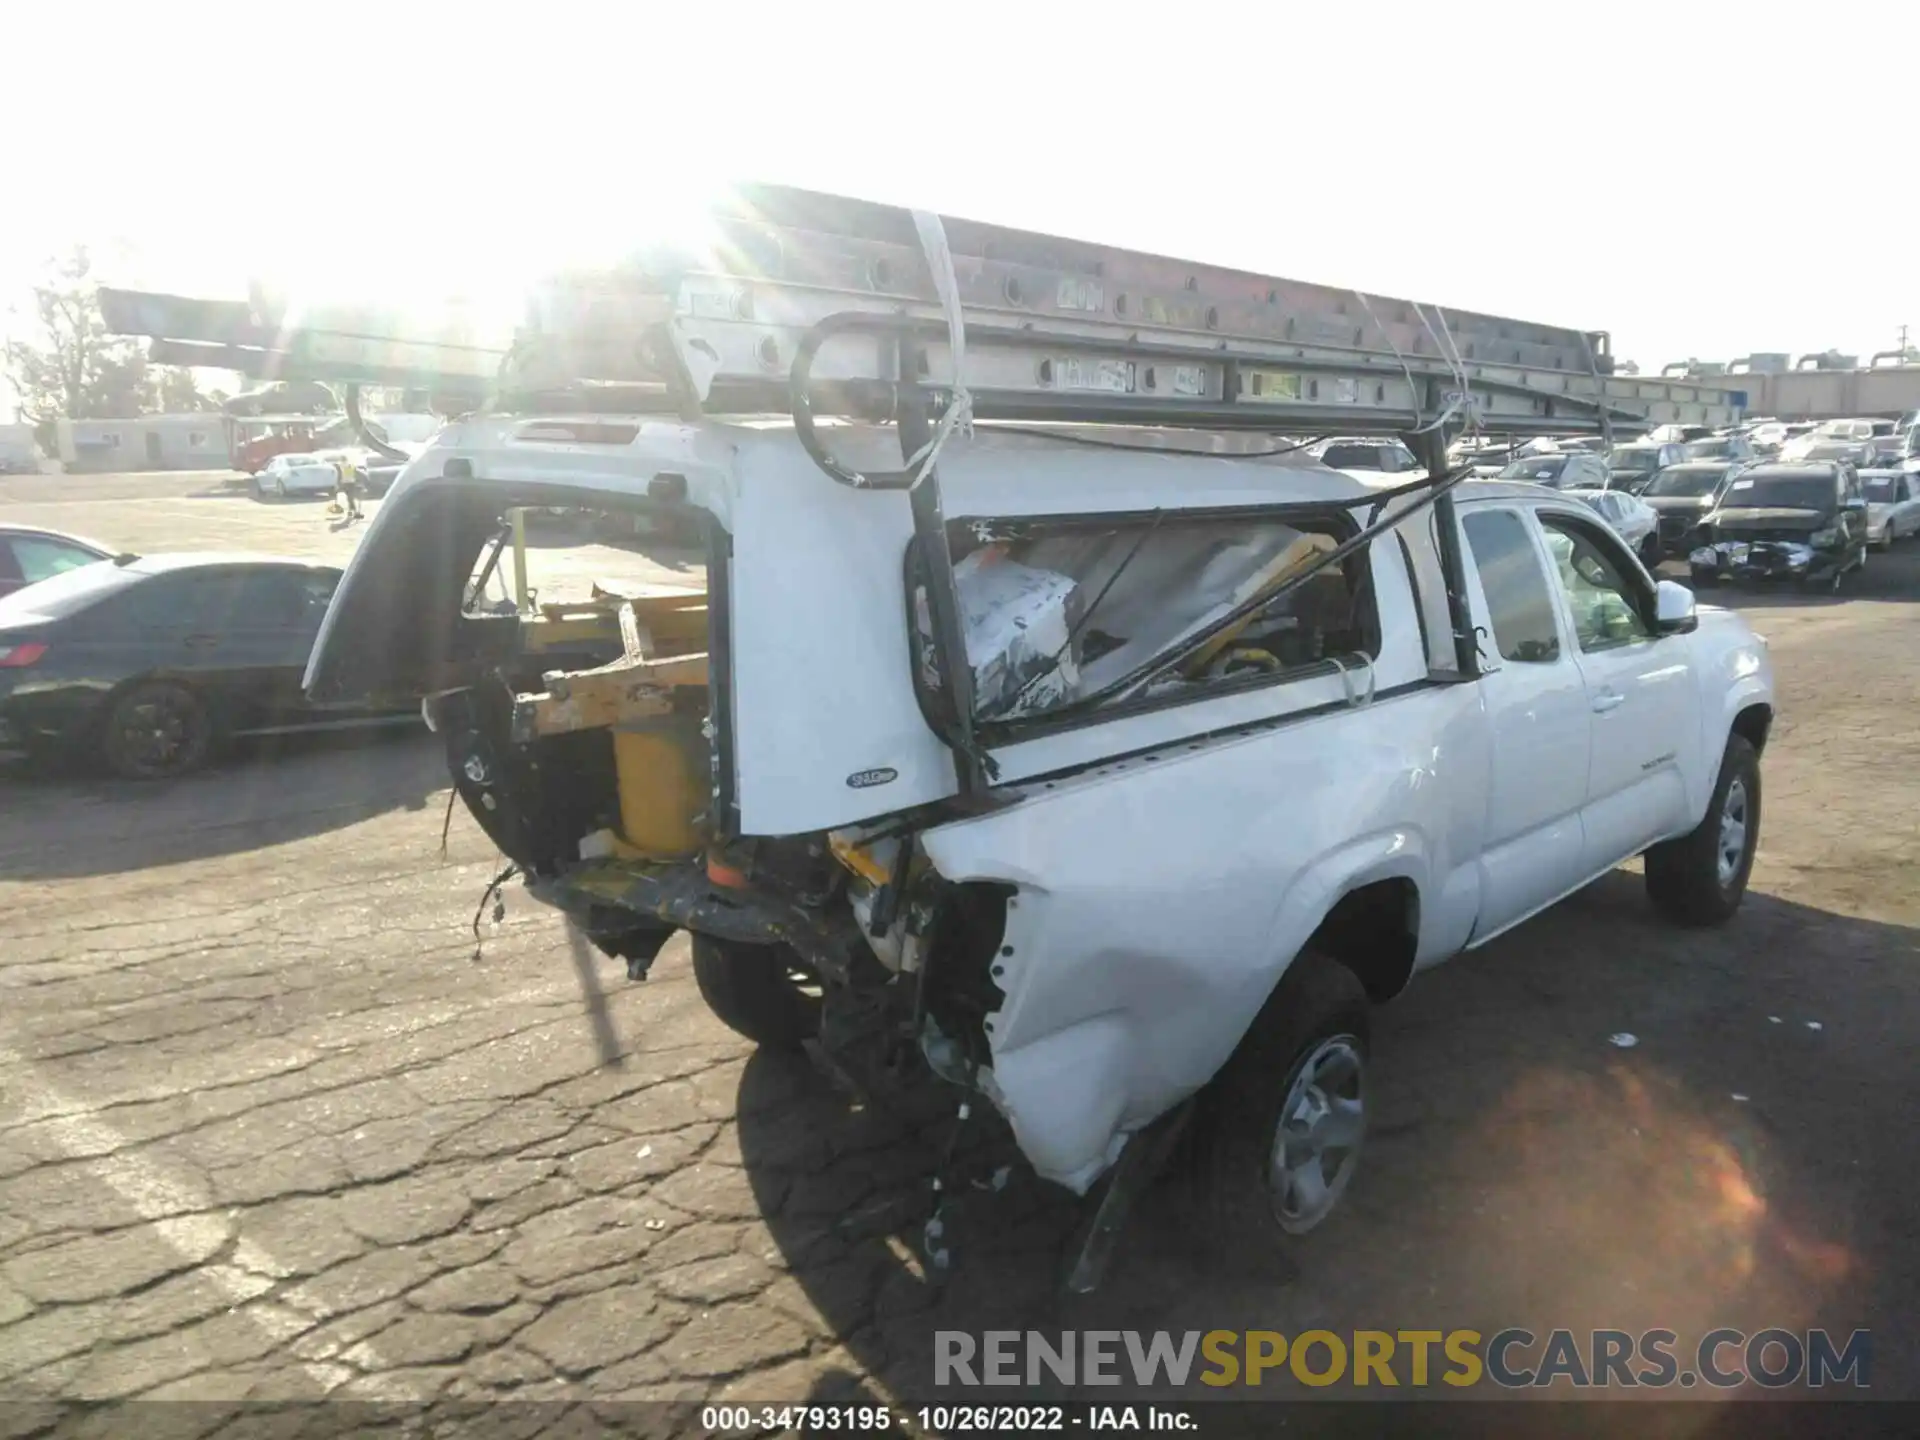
1854	502
1674	612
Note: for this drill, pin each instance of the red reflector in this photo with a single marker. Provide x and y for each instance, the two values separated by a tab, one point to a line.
725	875
12	657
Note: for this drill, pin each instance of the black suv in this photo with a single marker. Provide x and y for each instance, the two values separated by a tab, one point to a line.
1805	521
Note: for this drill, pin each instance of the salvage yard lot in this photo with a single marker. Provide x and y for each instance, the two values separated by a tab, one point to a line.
270	1127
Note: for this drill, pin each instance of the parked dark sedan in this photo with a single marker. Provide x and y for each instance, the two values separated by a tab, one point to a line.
150	664
28	555
1804	521
1683	495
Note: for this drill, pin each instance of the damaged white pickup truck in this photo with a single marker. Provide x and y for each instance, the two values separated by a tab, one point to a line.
1202	852
1111	754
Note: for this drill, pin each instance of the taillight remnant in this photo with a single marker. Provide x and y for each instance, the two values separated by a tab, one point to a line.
17	657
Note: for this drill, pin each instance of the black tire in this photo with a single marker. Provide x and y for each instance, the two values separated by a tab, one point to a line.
1827	584
763	992
1684	876
1701	577
1318	1002
156	731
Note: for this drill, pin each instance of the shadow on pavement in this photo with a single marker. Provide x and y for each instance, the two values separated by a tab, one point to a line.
232	487
269	791
1732	1165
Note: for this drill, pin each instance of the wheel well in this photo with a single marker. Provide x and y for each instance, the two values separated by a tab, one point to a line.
1374	931
1752	725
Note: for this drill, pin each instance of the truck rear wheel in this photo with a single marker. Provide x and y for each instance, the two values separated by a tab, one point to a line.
1280	1127
1701	877
764	992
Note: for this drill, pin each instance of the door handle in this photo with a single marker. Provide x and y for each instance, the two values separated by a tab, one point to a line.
1608	700
202	642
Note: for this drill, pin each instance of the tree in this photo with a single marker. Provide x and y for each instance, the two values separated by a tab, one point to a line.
176	391
69	366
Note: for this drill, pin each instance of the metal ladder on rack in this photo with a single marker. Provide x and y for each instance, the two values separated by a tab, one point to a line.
1056	329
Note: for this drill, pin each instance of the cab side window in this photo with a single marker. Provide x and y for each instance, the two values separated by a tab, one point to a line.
224	601
207	601
1519	604
271	600
1598	584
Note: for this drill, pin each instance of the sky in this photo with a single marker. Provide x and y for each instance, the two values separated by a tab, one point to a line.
1698	179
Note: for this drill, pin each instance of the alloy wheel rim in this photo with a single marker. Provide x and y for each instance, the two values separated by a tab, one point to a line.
156	735
1316	1143
1733	832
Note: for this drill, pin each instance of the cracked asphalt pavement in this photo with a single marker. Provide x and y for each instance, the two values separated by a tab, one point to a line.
272	1126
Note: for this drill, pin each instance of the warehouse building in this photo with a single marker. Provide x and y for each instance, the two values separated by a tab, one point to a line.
145	442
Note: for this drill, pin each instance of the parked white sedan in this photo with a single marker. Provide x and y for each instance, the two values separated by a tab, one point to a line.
301	474
1632	519
1893	506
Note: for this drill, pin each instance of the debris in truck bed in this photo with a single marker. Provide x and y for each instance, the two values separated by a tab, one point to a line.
1018	621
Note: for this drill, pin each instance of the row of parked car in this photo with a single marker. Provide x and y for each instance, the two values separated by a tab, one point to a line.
1758	501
